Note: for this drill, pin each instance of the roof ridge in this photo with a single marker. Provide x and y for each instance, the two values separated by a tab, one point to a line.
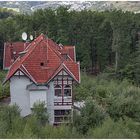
21	61
43	61
32	49
56	52
34	41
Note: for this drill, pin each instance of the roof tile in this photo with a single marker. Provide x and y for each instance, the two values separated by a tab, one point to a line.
42	59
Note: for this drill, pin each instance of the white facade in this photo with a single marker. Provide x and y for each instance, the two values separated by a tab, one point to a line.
38	96
25	93
19	94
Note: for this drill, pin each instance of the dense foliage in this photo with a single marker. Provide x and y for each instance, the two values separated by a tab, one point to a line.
111	111
117	98
102	39
4	89
106	42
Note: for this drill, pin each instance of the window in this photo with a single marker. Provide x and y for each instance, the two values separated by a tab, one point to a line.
58	90
65	56
62	115
41	64
61	112
67	90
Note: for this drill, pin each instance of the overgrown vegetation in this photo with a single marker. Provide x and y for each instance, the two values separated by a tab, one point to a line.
109	102
106	43
111	111
4	90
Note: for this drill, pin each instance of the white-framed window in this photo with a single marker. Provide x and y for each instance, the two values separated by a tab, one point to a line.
67	90
58	90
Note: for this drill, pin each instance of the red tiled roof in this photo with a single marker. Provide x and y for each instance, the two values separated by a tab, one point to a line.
42	60
71	51
11	53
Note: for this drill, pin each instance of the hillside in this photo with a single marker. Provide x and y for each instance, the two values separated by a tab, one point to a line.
119	5
30	6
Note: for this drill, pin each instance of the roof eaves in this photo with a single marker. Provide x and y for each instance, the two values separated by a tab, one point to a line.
71	73
28	74
18	59
59	69
7	78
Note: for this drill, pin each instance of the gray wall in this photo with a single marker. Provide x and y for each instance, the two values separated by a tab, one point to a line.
19	95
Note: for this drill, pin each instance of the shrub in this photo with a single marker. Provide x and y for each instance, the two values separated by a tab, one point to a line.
40	112
8	116
110	129
126	104
91	115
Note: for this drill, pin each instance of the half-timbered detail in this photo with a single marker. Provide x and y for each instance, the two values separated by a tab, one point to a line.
45	71
63	89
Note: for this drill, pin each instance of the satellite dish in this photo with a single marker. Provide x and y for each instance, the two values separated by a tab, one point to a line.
24	36
31	37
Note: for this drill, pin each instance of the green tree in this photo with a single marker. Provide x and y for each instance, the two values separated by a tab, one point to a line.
91	115
40	112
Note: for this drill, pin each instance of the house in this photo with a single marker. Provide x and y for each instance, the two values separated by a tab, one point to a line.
11	52
45	71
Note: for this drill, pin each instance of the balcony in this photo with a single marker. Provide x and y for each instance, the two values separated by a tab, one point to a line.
62	101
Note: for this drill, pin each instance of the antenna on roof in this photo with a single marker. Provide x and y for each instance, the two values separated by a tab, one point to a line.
24	36
35	34
31	37
46	34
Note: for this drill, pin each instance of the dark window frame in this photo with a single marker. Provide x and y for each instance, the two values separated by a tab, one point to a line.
58	91
67	91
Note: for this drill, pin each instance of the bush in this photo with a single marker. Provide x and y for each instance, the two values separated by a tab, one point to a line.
91	115
126	104
32	128
9	115
110	129
40	112
2	75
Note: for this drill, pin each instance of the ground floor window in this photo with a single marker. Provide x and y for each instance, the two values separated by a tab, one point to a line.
62	116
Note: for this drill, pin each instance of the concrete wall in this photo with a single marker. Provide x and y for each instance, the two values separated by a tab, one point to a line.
50	102
19	95
38	96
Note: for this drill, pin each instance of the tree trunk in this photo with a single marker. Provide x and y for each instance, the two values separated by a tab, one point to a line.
116	61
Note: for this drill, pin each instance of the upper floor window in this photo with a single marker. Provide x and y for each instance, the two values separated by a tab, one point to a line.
58	90
67	90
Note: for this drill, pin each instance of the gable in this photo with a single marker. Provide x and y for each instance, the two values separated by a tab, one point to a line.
19	73
42	61
67	79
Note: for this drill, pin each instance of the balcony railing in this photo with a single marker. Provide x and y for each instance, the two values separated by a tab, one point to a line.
62	101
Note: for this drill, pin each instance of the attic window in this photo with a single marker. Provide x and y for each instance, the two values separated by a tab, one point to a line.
65	56
41	64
